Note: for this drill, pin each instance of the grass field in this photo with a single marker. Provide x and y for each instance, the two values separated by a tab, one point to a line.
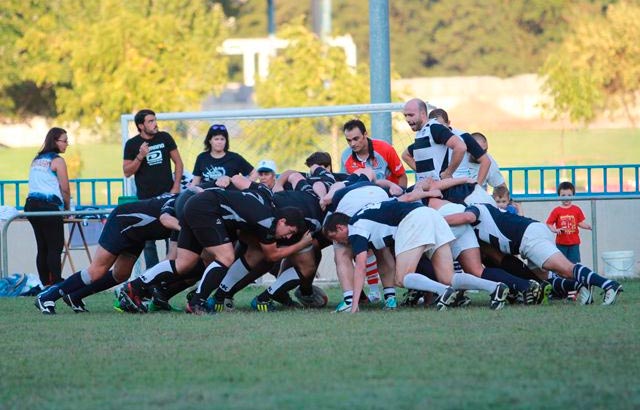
557	356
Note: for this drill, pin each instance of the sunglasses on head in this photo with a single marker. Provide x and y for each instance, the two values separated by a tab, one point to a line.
218	127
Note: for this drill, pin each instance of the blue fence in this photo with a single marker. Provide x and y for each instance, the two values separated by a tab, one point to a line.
87	192
523	182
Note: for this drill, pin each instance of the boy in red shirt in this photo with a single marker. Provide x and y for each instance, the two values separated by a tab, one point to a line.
565	220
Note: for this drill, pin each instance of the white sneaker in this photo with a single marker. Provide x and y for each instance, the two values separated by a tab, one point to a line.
584	295
611	293
343	307
374	297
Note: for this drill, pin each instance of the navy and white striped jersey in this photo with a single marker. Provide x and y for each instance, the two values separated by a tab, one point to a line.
376	224
473	149
430	151
501	229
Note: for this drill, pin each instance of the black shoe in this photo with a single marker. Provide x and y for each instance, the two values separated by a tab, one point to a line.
461	300
47	307
160	300
499	296
531	296
77	306
411	298
446	299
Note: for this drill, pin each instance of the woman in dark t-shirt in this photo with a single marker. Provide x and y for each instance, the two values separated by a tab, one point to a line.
217	161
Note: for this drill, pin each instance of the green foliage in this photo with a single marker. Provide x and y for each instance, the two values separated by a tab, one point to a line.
308	73
107	57
597	67
552	357
454	37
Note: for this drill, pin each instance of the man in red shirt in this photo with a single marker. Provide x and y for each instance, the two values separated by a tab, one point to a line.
364	152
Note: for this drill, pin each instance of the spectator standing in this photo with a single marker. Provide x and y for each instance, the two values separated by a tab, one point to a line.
49	191
148	157
564	221
217	161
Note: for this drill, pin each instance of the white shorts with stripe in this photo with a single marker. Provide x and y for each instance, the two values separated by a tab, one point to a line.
465	237
538	244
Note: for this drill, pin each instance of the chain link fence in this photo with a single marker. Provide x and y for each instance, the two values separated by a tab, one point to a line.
286	136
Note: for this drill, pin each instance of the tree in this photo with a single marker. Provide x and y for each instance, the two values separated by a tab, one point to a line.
597	67
307	73
106	58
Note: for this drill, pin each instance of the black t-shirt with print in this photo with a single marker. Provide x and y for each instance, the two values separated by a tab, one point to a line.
210	168
154	176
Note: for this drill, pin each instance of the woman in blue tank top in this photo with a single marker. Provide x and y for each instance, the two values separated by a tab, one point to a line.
49	191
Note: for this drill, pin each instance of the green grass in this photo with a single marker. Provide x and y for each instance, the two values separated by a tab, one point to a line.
555	356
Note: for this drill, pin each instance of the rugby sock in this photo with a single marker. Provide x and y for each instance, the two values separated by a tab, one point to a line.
389	293
213	275
107	281
516	267
69	285
421	282
347	296
236	273
465	281
562	286
159	272
373	277
586	276
499	275
286	281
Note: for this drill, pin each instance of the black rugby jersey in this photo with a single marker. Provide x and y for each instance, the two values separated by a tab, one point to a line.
304	201
140	220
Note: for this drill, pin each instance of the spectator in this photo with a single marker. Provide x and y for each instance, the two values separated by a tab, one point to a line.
217	160
267	172
564	221
504	203
49	191
148	157
376	154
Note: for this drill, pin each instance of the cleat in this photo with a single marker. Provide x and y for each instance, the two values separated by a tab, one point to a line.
610	294
584	295
198	309
262	306
117	307
390	303
532	294
317	299
499	296
461	300
445	300
545	294
224	305
159	301
374	297
343	307
412	298
47	307
77	306
131	298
